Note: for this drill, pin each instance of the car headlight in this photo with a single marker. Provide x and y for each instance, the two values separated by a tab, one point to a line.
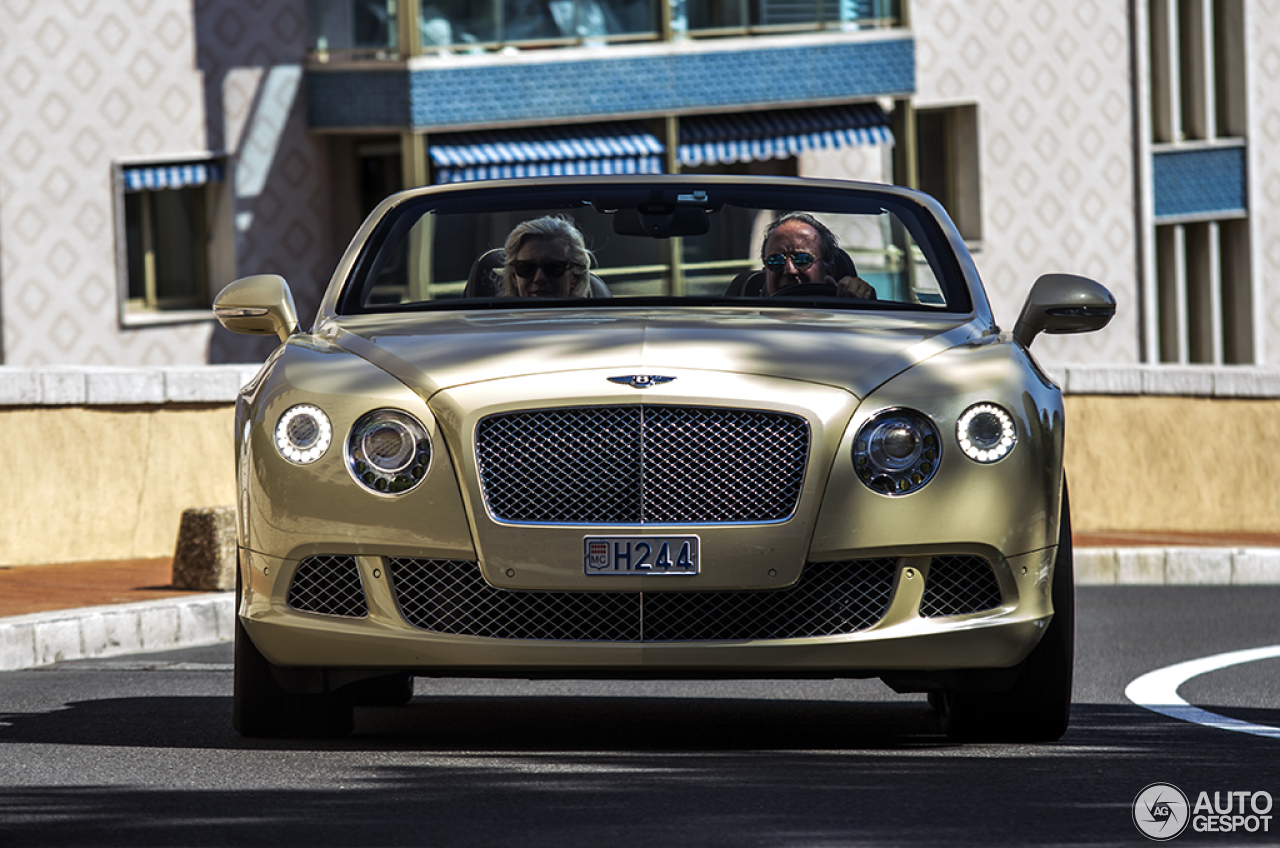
896	452
303	434
388	451
986	433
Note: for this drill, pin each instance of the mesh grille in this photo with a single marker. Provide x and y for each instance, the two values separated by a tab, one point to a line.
959	585
831	598
329	585
642	464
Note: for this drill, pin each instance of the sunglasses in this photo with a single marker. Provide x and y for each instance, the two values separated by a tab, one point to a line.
528	270
778	261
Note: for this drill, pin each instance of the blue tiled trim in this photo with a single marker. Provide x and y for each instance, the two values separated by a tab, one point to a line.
1199	181
441	98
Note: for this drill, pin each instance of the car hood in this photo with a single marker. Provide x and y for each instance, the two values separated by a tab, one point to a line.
856	351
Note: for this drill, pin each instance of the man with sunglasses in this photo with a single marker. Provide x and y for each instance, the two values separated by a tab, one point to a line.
546	257
799	249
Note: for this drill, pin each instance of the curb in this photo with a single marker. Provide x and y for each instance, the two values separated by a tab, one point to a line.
1177	566
28	641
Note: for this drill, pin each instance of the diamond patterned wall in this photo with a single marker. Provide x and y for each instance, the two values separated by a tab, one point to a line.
1052	84
1262	54
85	84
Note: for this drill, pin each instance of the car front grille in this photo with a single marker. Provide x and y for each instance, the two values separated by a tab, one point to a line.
642	464
329	585
830	599
959	584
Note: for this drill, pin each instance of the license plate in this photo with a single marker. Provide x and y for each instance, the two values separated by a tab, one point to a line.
639	555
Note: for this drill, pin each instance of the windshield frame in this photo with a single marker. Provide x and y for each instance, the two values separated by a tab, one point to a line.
922	216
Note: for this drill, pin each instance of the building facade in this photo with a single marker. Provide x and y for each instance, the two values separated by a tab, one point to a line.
151	152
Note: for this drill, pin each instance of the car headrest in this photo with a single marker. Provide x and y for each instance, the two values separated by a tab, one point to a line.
485	279
843	266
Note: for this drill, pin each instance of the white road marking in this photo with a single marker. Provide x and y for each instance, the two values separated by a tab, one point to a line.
1158	691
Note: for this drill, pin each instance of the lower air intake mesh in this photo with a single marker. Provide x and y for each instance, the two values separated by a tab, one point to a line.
959	584
329	585
830	599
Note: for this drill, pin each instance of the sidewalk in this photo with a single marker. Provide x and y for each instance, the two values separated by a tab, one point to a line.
52	613
70	611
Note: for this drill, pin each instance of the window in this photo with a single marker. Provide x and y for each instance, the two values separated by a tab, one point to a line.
171	236
1200	287
363	27
947	159
1204	313
372	28
704	16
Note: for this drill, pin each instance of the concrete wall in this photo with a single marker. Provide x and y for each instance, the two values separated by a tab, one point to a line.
102	462
1173	463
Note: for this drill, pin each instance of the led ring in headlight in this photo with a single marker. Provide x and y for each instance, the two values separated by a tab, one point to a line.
388	451
303	434
896	452
986	433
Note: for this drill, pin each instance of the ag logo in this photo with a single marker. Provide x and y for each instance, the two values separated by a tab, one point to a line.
1161	812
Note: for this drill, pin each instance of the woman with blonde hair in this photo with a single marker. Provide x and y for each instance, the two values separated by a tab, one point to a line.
546	257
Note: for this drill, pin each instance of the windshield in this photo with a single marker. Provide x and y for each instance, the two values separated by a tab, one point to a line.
616	244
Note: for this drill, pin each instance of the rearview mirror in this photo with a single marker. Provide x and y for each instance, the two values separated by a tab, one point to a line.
1064	303
257	305
658	221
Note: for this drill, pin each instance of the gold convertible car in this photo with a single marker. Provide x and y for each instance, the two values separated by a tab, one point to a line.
655	427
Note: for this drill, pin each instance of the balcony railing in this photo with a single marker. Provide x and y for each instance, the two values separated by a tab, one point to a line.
378	28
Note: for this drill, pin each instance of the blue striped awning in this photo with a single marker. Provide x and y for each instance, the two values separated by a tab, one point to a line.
183	175
755	136
621	148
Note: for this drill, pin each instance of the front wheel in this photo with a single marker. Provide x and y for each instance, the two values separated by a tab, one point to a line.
262	709
1038	707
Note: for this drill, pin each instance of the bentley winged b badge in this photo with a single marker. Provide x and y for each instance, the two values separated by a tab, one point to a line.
641	381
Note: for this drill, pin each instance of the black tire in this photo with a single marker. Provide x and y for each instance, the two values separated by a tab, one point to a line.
390	690
261	709
1038	707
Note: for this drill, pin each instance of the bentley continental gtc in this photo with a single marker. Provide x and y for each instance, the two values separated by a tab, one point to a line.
655	427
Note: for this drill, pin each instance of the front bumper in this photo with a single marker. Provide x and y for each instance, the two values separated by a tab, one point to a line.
901	639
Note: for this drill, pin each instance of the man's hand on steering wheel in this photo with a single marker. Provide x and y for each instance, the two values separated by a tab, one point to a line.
852	287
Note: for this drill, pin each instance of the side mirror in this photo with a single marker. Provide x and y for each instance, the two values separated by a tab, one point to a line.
1064	303
257	305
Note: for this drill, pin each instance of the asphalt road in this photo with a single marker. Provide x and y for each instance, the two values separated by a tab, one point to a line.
139	751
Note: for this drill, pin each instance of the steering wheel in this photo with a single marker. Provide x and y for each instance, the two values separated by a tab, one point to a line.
808	290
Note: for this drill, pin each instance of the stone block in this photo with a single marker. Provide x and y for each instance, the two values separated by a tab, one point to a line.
1103	380
1095	566
1252	566
203	384
1242	382
62	387
124	386
1179	380
204	559
17	644
19	387
1198	566
1140	567
160	628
